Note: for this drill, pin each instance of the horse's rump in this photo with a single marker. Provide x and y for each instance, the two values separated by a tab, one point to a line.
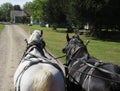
43	80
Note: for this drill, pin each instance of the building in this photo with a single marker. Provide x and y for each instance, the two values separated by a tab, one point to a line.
17	16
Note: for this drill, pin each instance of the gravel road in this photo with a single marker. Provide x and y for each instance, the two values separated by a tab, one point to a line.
12	46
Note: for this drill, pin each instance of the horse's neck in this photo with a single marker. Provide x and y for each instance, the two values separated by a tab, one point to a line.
82	53
35	53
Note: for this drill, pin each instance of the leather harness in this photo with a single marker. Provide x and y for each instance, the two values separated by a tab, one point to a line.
39	60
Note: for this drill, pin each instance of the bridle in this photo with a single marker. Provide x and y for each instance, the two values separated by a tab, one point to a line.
76	49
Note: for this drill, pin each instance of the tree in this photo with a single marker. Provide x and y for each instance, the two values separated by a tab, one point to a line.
27	7
109	15
37	9
17	7
74	13
5	11
80	12
54	13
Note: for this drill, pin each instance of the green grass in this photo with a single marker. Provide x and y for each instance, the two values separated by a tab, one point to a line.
1	27
103	50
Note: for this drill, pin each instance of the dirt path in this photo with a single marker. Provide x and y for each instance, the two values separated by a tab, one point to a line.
12	46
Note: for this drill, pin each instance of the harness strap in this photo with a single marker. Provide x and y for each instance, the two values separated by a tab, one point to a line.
74	52
29	48
89	77
101	69
89	74
33	63
23	71
41	60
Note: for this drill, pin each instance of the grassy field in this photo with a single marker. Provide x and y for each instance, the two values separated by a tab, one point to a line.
103	50
1	26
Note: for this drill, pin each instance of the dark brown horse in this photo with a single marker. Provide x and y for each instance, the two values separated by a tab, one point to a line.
87	73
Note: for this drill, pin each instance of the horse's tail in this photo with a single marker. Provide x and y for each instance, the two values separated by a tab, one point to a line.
43	80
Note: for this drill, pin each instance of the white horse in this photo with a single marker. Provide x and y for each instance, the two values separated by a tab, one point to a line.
37	72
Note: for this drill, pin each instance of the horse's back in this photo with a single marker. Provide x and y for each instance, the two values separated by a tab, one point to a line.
104	77
28	79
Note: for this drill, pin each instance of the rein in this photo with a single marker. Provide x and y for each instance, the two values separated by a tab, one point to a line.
53	56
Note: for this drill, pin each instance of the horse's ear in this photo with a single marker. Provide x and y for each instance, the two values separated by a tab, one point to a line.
67	37
41	32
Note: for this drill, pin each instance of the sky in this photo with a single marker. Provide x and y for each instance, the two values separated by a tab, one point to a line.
15	2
